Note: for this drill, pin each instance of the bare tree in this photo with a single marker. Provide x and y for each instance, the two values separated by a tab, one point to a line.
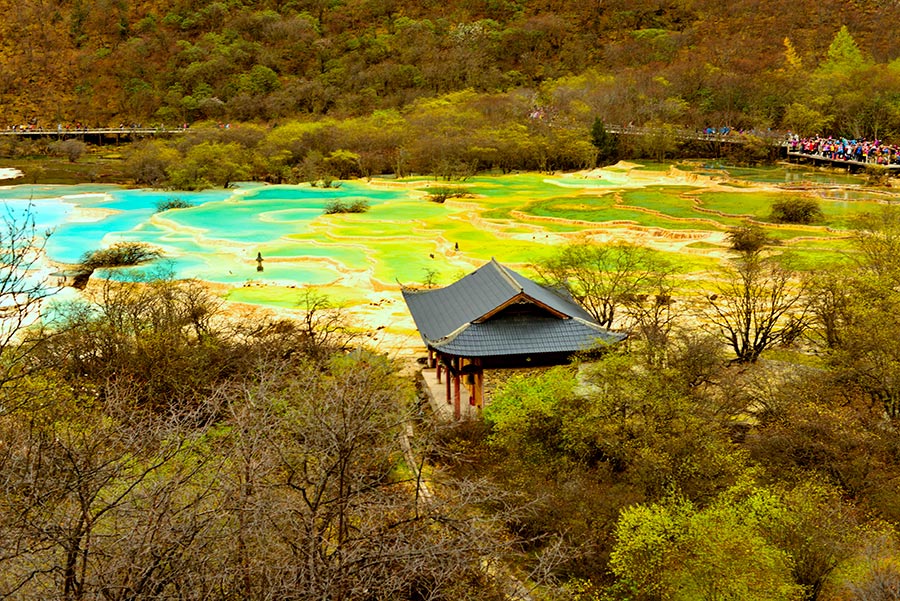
324	324
858	309
602	278
653	318
756	304
23	291
877	238
830	303
322	506
160	335
90	497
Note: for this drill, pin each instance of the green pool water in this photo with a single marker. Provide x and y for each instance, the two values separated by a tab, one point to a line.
517	219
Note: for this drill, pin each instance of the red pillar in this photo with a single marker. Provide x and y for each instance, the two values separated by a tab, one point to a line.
447	382
457	409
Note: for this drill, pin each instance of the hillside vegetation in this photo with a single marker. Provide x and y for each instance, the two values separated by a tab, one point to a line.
830	66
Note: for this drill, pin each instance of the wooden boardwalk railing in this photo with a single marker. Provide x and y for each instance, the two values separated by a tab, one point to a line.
72	132
63	133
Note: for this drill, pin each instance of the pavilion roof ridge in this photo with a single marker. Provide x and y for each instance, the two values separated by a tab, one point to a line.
504	271
599	328
452	335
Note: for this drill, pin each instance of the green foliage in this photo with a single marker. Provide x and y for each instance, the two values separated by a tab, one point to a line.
844	54
676	551
796	209
866	350
209	164
147	163
524	415
751	542
606	143
356	205
234	61
614	414
806	121
661	141
344	164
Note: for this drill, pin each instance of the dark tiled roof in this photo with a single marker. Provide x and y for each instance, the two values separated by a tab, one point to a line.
525	334
467	317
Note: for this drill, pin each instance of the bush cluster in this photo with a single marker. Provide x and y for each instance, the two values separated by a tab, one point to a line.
441	194
120	254
339	205
798	209
172	203
748	238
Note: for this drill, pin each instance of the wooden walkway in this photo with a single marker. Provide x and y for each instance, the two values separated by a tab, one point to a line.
817	159
129	132
98	133
732	137
438	398
114	135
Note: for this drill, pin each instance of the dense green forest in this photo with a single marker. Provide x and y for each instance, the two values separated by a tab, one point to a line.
749	64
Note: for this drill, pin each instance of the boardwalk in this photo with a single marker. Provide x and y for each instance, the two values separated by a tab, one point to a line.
730	137
110	133
113	135
818	159
98	134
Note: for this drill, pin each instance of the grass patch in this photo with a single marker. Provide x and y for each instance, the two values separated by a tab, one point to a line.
602	209
289	297
703	245
794	357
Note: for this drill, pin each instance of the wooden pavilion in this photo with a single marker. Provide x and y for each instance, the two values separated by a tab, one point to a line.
497	318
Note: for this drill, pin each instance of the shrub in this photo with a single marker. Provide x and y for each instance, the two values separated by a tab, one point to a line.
748	238
357	205
172	203
877	175
120	254
798	209
442	193
71	149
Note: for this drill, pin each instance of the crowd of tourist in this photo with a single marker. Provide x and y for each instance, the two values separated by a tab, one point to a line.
842	149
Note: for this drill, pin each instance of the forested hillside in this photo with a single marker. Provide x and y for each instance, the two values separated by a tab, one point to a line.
746	64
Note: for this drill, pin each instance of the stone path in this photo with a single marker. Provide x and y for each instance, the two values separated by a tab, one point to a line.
437	398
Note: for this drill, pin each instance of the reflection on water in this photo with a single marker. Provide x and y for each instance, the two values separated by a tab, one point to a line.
781	174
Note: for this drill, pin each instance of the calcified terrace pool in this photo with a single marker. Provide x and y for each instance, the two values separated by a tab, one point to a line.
361	259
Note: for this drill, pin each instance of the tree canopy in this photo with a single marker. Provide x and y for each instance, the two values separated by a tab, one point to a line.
554	65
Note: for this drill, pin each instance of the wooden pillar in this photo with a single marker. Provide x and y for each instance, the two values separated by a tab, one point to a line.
478	386
448	378
479	389
457	409
431	359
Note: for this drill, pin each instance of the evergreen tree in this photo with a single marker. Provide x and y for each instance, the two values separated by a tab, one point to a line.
606	143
